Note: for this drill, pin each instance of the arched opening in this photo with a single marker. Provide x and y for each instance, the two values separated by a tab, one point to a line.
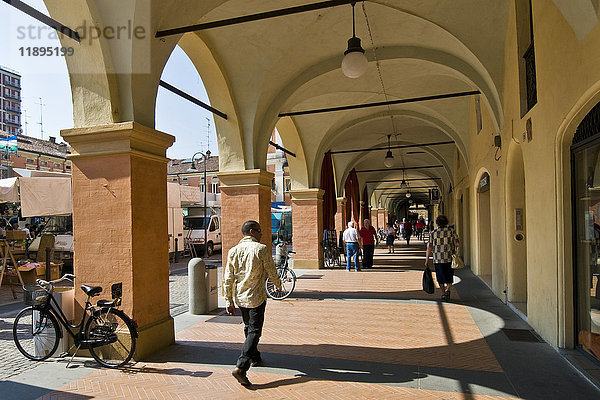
484	229
585	167
465	233
516	231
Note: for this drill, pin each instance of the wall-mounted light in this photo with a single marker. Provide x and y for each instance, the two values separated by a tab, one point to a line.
388	161
354	63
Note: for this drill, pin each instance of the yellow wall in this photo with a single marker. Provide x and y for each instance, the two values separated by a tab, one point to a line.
567	78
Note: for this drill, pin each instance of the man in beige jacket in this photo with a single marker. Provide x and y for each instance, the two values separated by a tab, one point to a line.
249	264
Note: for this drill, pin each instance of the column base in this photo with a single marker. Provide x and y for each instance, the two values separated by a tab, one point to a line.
154	337
307	264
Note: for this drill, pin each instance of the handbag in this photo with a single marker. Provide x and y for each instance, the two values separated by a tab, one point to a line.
457	262
428	285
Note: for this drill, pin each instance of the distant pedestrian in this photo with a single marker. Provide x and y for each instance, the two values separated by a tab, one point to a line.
353	244
390	236
419	227
442	244
249	264
407	230
369	238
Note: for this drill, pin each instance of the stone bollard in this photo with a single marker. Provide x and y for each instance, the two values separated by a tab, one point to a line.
197	286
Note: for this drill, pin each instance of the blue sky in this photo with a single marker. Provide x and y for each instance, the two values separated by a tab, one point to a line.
47	77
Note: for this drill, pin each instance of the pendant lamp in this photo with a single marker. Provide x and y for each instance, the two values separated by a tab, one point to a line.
355	62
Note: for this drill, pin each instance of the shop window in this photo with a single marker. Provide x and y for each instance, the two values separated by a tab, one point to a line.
585	159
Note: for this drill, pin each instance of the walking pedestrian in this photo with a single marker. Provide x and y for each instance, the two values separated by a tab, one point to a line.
390	236
407	229
249	264
442	243
353	244
419	227
369	238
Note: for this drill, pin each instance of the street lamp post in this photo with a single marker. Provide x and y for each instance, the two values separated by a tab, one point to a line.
205	156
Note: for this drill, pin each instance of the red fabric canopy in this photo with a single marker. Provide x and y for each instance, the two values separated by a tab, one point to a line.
329	197
365	207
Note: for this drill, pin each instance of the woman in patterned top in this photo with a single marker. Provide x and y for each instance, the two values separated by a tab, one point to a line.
442	243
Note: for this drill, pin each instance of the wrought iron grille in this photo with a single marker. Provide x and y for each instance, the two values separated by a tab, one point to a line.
530	79
589	127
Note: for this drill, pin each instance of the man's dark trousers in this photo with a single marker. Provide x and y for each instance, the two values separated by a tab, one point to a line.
254	319
368	250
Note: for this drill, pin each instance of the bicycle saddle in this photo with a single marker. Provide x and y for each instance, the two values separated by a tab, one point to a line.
107	303
91	290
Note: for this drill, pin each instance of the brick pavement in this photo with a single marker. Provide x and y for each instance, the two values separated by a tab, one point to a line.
366	335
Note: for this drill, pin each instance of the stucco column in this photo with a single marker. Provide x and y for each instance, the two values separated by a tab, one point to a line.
120	222
340	215
307	222
245	195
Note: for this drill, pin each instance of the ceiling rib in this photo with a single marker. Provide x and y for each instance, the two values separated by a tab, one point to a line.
407	146
253	17
380	103
400	169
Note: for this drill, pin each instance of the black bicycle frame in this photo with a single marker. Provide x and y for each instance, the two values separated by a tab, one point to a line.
62	319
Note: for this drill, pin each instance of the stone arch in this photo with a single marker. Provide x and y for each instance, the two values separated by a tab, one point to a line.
231	149
430	117
292	141
564	138
516	236
472	74
94	88
352	164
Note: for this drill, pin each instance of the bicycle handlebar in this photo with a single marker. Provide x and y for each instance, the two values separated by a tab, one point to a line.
65	277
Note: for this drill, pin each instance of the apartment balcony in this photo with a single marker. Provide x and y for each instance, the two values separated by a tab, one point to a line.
13	85
11	122
13	97
15	110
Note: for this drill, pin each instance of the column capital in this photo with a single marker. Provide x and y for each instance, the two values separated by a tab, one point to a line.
121	138
247	178
341	200
307	194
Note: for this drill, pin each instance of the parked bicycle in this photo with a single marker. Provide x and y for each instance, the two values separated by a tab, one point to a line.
107	332
286	274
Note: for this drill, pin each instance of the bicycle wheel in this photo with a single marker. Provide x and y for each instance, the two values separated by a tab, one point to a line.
36	333
288	283
329	258
111	335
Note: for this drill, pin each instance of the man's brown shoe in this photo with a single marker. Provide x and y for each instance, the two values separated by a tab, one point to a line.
241	377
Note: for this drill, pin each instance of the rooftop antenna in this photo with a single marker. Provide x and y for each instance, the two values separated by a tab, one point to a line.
25	118
207	133
42	104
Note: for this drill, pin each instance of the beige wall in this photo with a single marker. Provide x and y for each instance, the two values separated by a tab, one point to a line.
568	81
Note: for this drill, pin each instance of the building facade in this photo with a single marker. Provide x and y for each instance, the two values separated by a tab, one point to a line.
35	154
10	101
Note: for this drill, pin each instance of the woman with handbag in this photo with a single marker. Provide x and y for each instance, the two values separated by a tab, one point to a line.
390	236
443	242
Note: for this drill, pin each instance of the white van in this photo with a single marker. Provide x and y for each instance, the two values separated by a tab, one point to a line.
193	231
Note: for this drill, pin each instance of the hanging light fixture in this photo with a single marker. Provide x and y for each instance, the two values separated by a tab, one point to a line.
403	184
354	63
388	161
408	195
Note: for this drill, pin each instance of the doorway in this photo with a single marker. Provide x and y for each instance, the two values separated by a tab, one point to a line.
484	229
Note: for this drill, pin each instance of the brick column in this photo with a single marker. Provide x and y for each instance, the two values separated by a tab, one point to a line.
375	218
245	195
307	222
383	219
120	222
340	215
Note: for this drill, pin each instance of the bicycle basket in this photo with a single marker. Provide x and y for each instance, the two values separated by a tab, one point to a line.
33	295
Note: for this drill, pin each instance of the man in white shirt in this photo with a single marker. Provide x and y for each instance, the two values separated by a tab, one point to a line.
353	245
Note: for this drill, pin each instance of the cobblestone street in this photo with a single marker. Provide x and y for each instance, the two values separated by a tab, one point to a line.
14	362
